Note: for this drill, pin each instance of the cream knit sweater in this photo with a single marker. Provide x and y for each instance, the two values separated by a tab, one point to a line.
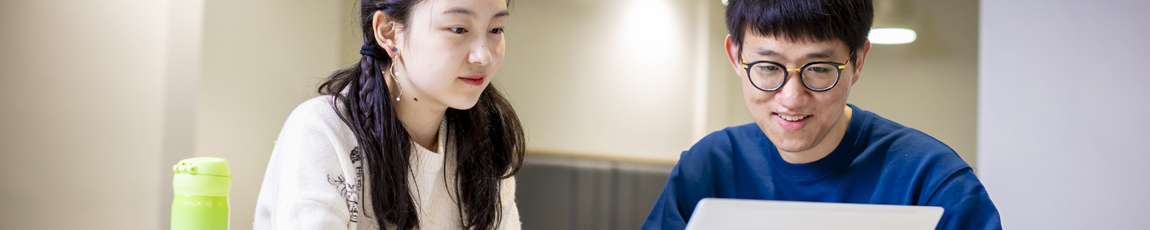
315	179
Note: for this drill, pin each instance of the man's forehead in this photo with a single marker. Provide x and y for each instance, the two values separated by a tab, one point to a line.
784	46
808	54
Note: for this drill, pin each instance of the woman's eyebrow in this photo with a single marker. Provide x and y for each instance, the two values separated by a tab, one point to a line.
502	14
461	10
469	13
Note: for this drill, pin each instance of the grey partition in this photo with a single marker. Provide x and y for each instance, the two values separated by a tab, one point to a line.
573	193
1062	113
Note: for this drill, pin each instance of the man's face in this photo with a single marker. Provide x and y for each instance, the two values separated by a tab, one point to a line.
793	117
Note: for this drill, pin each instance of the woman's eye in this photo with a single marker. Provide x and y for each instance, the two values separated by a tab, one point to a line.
458	30
497	30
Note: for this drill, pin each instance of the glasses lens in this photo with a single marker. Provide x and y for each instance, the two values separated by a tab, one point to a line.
820	76
767	76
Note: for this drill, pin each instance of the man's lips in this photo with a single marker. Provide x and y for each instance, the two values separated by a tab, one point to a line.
791	122
792	117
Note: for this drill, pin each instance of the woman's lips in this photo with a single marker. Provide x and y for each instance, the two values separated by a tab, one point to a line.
473	80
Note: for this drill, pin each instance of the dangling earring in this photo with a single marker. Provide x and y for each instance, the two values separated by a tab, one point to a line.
393	74
393	79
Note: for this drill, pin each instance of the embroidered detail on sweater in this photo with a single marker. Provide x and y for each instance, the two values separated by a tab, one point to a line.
348	190
351	189
357	161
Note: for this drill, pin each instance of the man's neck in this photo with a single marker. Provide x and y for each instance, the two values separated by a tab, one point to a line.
825	146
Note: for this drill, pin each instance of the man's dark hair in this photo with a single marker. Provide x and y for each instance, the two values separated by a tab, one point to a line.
802	20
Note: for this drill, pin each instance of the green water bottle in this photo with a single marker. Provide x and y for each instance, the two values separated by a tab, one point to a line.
201	186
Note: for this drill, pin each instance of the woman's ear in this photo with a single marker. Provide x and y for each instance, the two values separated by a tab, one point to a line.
384	30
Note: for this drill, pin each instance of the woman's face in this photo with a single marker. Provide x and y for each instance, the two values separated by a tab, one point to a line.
450	51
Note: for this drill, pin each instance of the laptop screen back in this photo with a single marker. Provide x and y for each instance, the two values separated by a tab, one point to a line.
719	213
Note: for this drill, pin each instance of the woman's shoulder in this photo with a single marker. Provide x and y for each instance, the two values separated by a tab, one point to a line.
315	136
314	166
318	107
317	112
316	119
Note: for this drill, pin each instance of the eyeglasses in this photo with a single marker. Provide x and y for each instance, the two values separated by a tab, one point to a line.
816	76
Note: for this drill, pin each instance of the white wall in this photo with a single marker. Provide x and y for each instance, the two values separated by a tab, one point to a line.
1063	113
261	58
103	105
645	79
100	99
930	84
81	91
184	61
610	78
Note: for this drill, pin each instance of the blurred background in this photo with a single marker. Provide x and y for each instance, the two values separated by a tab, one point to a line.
98	99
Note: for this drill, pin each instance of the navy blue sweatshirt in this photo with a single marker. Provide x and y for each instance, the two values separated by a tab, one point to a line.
877	162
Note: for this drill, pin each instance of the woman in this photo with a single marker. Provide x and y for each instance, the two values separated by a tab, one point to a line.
411	137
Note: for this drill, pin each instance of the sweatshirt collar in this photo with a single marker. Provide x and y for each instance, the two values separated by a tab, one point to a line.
838	159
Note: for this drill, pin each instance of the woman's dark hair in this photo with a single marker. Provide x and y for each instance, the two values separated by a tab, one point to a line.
802	20
487	140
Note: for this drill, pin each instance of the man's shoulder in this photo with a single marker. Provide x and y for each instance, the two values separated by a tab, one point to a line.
910	155
885	131
718	146
906	145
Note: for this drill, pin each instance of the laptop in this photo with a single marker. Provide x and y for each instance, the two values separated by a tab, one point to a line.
721	213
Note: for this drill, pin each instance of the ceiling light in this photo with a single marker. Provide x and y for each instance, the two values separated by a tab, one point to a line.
891	36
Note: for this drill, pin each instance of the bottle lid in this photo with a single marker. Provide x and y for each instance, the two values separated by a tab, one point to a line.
202	176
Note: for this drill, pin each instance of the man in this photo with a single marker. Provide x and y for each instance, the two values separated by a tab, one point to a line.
797	60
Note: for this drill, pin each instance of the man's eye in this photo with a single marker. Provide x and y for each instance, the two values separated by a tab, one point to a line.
819	69
769	68
497	30
458	30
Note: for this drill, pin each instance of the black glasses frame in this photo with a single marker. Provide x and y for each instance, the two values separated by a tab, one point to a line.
787	72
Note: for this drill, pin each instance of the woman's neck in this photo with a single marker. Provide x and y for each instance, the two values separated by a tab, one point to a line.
420	118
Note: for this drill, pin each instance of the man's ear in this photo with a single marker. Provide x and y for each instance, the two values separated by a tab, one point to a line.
861	60
384	30
733	55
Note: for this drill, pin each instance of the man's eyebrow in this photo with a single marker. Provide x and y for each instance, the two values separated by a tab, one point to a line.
824	54
768	53
460	10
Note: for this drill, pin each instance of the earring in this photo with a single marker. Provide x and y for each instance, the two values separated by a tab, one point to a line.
393	79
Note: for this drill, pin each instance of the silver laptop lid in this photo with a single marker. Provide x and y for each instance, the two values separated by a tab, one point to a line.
720	213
